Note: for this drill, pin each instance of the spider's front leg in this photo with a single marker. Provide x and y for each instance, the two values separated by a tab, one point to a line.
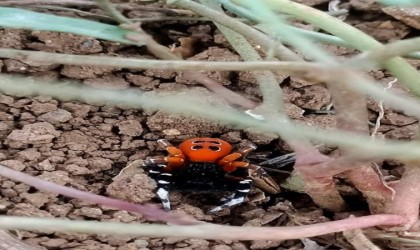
160	170
175	158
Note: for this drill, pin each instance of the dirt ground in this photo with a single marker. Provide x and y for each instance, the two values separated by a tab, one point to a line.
86	147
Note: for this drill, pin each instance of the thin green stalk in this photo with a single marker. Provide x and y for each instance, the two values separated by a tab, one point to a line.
313	35
386	52
169	18
407	74
47	2
295	68
281	30
191	106
359	83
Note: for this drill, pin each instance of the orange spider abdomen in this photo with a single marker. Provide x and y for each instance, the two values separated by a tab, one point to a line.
205	149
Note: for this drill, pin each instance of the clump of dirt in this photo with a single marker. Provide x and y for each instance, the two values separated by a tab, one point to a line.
88	147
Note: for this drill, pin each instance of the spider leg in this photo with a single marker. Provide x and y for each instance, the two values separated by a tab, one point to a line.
160	170
175	159
226	198
260	178
227	161
163	182
243	188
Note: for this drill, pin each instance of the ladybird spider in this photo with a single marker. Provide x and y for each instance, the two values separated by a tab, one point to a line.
207	165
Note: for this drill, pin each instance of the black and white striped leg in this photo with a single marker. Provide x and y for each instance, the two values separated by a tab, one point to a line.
237	198
164	182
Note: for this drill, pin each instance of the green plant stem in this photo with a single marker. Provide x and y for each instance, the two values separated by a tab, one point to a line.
47	2
202	231
280	29
249	33
170	18
313	35
359	83
401	2
400	68
191	106
385	52
295	68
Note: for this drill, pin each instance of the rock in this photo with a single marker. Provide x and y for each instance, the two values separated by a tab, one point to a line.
78	141
36	199
53	243
313	97
384	31
64	43
365	5
393	118
186	127
195	212
25	209
220	247
408	15
56	116
98	164
109	81
133	186
260	138
264	244
30	154
130	127
89	212
37	133
77	170
8	100
84	72
40	108
143	82
14	164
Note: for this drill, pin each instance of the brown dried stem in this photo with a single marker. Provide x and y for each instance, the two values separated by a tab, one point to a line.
351	115
407	196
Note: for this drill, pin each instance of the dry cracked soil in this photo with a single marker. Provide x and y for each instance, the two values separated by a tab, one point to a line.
86	147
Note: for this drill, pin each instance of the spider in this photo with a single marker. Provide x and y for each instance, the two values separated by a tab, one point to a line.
207	165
